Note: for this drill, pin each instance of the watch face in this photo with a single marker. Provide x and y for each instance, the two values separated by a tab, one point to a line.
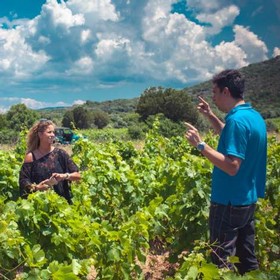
200	146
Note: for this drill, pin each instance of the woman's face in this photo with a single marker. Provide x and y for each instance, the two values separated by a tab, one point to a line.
47	136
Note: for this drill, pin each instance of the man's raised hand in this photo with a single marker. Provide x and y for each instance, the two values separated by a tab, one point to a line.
203	107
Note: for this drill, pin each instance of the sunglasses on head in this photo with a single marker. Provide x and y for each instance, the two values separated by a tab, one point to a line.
44	120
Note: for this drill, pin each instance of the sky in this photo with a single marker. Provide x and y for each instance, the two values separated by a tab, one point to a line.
60	53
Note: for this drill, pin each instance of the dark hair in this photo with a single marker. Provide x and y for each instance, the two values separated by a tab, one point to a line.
233	80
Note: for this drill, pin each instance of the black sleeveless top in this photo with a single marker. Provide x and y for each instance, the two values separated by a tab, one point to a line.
57	161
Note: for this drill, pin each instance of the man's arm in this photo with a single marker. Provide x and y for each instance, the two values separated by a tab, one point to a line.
229	164
204	108
216	123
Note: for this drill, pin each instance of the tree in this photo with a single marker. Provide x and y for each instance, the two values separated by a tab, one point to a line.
82	118
101	118
68	119
176	105
135	132
20	117
3	121
150	102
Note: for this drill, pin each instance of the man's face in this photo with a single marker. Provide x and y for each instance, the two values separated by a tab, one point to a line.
218	97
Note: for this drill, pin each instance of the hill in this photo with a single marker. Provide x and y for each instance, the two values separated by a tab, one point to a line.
114	106
262	87
262	90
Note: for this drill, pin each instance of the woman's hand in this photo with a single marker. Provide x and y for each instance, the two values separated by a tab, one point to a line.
59	176
43	186
74	176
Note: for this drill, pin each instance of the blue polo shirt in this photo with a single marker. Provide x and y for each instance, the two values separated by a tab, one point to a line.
244	136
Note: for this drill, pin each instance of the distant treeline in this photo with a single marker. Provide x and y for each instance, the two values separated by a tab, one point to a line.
171	107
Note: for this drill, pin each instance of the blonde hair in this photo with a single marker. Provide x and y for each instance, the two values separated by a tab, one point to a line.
33	140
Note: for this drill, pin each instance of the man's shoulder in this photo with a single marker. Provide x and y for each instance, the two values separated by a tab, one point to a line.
244	116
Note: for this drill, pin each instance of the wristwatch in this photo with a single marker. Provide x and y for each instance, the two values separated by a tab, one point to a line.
200	146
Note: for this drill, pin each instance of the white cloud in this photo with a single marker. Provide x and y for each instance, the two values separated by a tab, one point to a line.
230	55
33	104
219	19
79	102
5	64
276	52
44	40
180	49
85	44
4	21
3	109
29	102
82	66
60	15
254	48
85	35
17	59
204	6
109	50
94	10
7	102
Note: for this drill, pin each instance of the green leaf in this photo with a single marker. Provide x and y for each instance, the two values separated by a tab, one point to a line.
76	266
114	255
192	273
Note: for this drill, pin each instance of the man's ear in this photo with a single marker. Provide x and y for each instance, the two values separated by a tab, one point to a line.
226	91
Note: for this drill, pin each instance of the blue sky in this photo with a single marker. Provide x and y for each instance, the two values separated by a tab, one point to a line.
60	53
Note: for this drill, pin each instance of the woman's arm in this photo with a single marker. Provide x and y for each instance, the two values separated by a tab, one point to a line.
73	176
71	171
26	182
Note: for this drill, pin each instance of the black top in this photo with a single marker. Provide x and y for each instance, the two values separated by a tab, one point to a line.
57	161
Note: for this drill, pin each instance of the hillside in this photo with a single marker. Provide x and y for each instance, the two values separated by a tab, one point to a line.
262	87
114	106
262	90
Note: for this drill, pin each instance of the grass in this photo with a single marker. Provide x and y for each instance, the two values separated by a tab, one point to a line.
6	147
106	134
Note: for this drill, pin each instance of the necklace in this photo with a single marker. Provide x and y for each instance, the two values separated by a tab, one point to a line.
42	154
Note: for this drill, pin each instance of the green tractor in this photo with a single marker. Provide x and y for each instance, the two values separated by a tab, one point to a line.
64	135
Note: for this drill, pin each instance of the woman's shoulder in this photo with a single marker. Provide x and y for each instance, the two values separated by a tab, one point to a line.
60	151
28	157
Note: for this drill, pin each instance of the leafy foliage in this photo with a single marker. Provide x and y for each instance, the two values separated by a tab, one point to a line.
68	119
8	136
100	119
82	118
113	106
20	117
127	200
173	104
135	132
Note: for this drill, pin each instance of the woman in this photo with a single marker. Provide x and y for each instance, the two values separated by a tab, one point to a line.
45	166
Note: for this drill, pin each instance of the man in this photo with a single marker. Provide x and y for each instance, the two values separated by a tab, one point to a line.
239	174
